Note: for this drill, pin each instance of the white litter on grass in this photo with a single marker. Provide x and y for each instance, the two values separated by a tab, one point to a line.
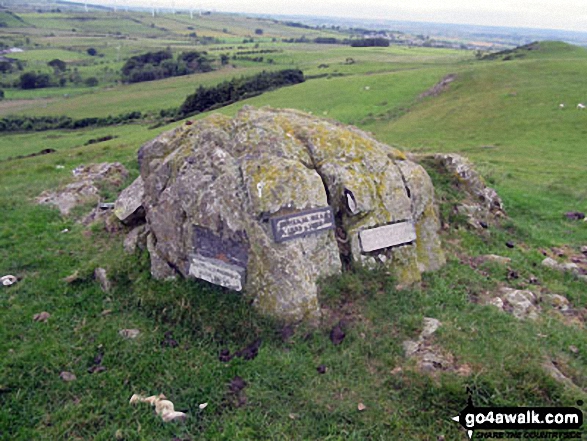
203	405
163	407
60	167
8	280
129	333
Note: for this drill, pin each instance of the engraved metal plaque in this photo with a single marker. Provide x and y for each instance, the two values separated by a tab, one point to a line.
302	223
387	236
217	272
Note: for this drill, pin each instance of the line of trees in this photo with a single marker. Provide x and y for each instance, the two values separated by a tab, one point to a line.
158	65
370	42
228	92
39	123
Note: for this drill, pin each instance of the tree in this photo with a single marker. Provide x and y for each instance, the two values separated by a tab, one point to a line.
57	65
259	31
92	52
224	58
91	82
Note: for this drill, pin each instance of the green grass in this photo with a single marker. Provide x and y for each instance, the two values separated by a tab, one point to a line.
503	115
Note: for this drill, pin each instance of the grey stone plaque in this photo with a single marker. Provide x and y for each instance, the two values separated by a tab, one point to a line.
217	272
302	223
387	236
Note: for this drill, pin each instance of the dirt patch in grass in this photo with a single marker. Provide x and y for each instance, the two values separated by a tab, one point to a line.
439	87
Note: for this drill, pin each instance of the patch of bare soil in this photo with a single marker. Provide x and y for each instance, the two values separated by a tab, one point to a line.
439	87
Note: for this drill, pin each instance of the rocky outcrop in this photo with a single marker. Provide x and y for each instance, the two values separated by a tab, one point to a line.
85	186
482	205
129	205
272	200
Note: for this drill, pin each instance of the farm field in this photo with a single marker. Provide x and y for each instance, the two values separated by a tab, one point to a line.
504	115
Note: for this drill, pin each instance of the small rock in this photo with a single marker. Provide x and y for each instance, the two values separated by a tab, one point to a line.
584	249
72	277
203	406
512	275
430	327
322	369
106	312
497	302
574	349
136	239
41	317
129	333
495	259
509	244
129	205
533	280
337	335
559	302
361	407
522	302
410	347
67	376
102	277
483	225
549	262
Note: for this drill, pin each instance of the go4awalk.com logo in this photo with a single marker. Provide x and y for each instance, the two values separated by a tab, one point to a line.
521	422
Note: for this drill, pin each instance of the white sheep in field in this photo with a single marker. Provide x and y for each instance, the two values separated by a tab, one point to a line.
580	106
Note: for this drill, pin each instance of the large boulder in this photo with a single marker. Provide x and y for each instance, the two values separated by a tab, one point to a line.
272	200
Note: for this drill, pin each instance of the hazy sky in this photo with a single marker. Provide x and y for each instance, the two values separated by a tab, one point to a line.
554	14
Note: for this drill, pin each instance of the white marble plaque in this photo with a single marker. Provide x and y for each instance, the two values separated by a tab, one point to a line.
217	272
387	236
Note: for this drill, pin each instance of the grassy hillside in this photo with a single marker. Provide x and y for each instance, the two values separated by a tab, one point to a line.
504	115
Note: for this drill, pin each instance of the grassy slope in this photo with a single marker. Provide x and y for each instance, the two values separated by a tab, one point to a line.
506	117
287	399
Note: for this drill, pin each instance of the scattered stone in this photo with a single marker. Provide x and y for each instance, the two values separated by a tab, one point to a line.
72	277
8	280
509	244
203	406
361	407
129	205
244	203
494	259
482	205
102	277
562	267
584	250
337	335
533	280
136	239
322	369
521	303
574	215
430	327
41	317
106	312
512	275
551	368
574	349
559	302
497	302
84	188
67	376
129	333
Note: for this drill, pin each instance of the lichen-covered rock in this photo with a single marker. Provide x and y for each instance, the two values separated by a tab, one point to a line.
84	188
129	204
482	205
243	203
